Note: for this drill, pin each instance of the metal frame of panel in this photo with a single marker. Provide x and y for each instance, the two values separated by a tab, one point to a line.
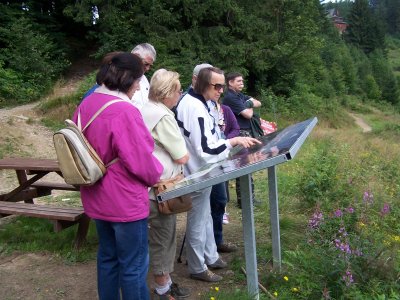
290	139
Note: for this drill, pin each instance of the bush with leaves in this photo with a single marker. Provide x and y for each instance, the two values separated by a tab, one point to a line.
31	61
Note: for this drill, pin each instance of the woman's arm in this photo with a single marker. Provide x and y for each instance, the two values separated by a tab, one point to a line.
232	128
183	160
170	137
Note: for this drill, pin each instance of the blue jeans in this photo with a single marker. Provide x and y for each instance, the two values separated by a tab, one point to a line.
122	260
218	200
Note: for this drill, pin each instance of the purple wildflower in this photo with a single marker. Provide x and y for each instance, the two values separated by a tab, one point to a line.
342	246
338	213
348	278
368	197
350	210
316	219
386	209
342	231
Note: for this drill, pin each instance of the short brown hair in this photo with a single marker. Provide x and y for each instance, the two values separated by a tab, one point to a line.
106	60
119	73
204	79
232	76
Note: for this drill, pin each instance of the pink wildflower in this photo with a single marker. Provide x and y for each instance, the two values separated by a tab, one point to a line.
385	210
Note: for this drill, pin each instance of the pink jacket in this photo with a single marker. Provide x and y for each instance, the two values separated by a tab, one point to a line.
122	194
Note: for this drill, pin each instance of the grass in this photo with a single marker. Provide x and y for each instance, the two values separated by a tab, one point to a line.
336	165
332	171
25	234
10	146
56	110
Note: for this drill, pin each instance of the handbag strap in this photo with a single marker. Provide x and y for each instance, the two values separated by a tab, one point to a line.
94	117
169	182
96	114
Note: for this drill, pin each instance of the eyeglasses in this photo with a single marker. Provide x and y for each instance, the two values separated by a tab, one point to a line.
218	86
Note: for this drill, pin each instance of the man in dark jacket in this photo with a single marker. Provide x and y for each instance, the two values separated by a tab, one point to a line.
242	106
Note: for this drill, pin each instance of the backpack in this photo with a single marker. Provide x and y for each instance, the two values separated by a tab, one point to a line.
78	161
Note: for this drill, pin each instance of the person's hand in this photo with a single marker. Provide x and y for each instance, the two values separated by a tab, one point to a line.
245	142
256	103
274	150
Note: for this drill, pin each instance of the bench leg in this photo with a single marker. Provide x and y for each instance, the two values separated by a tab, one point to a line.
21	175
81	234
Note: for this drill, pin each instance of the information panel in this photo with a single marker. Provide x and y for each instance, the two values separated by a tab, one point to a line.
276	148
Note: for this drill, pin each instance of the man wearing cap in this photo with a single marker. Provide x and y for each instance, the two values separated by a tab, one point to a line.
204	146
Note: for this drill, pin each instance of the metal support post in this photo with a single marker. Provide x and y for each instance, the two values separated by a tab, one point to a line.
249	236
274	216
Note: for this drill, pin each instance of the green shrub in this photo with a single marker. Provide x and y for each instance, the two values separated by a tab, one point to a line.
318	173
13	86
30	62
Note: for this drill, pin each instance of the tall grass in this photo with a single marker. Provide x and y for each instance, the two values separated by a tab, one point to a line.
56	110
339	210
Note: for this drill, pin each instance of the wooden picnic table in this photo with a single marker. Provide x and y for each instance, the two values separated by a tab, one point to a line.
30	187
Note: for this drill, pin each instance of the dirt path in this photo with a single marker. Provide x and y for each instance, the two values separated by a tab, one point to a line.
361	123
23	135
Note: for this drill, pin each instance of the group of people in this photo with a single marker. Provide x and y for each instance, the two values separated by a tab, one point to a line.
157	133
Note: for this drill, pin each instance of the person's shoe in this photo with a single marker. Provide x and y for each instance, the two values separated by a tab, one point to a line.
225	219
207	275
166	296
226	248
219	264
179	292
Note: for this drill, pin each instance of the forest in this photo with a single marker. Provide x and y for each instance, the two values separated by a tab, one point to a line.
290	52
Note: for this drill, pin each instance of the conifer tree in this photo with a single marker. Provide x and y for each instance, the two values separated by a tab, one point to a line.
365	30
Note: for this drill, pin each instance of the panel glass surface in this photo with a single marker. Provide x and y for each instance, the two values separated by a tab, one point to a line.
275	148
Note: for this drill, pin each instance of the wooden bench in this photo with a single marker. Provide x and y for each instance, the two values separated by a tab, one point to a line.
62	217
54	186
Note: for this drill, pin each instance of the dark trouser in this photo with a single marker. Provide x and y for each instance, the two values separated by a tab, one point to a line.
122	260
246	133
218	200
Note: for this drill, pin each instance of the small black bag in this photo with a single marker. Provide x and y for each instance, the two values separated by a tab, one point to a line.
255	126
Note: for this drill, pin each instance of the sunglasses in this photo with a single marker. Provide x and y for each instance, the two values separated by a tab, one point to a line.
218	86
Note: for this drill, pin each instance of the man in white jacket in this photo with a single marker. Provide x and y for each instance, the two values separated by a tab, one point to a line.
204	146
148	55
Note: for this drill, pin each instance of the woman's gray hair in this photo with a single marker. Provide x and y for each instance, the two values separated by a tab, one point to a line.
144	50
163	84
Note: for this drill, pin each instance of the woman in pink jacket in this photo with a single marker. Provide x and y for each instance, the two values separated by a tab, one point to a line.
119	202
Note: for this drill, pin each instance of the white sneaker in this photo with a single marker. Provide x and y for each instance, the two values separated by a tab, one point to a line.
225	219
